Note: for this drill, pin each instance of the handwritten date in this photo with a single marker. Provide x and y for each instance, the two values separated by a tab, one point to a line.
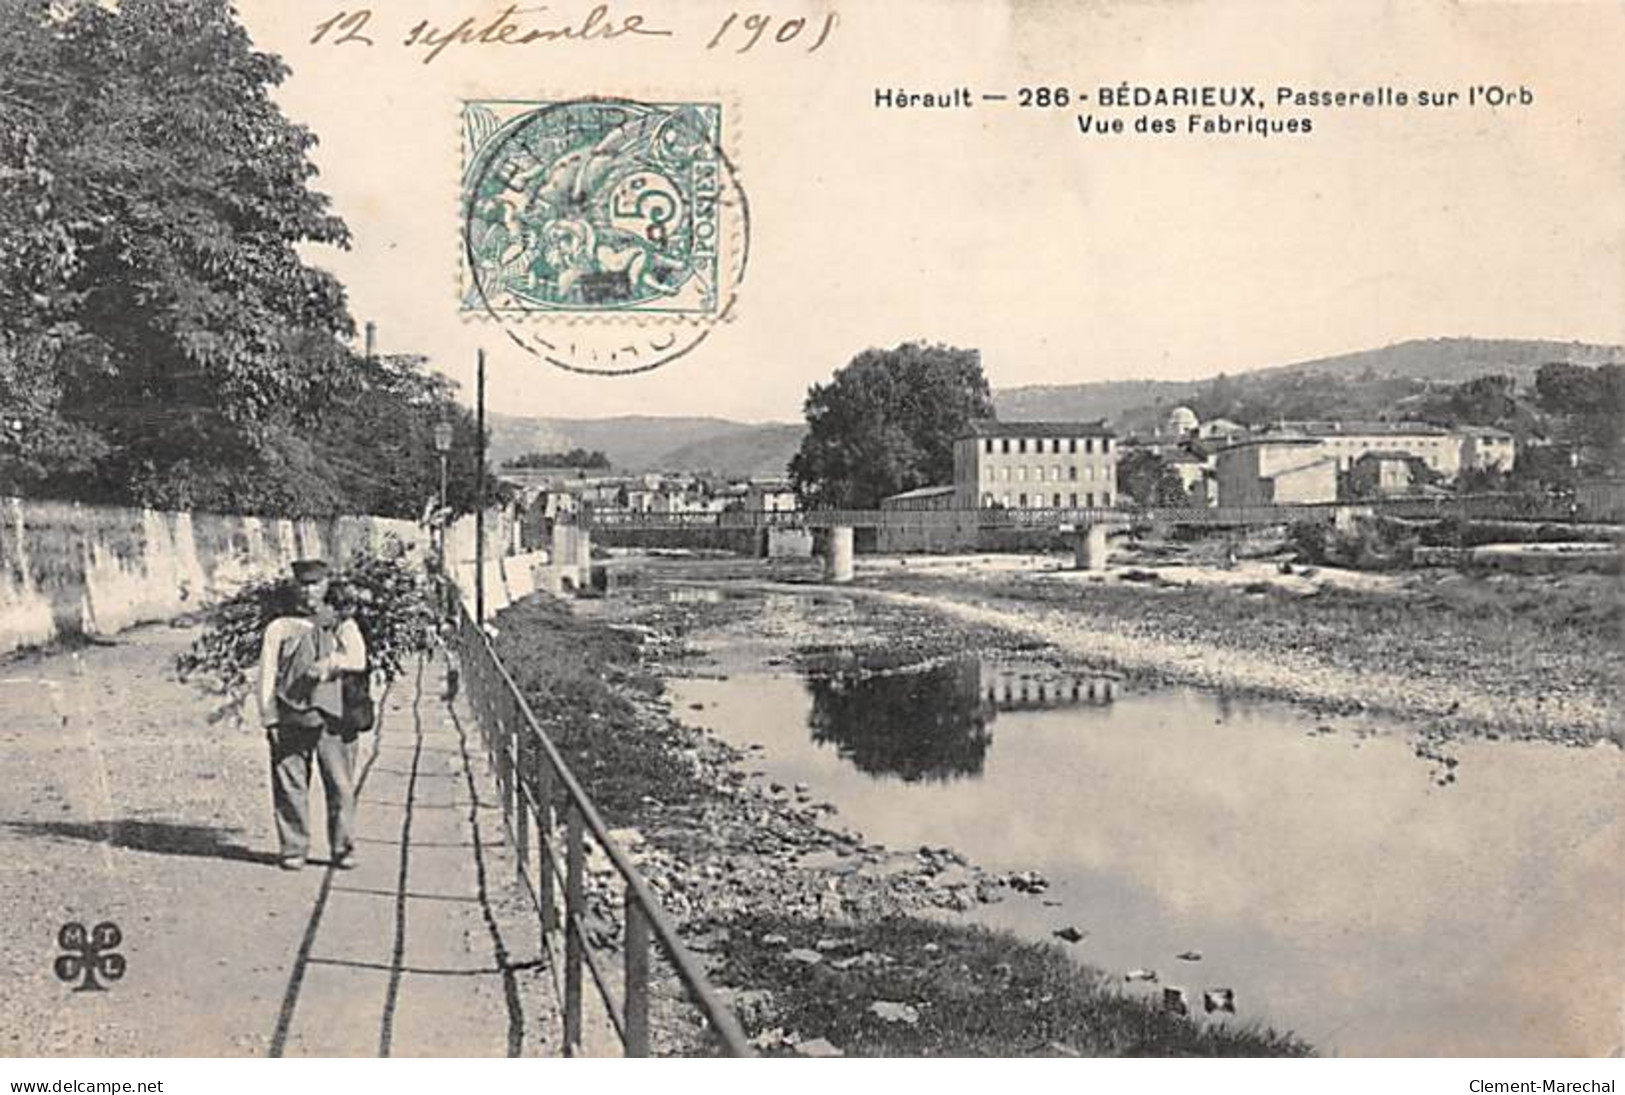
738	33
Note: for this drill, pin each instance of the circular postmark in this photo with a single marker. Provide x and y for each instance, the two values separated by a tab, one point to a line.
606	236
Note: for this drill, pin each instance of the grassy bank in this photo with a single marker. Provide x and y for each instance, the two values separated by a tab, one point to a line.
816	954
905	987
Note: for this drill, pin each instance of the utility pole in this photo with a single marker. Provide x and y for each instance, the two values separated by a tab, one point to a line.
372	339
479	495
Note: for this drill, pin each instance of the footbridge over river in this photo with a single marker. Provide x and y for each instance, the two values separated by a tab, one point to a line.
837	532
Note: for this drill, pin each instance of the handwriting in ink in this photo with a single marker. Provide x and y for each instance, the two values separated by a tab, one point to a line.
754	26
505	30
350	24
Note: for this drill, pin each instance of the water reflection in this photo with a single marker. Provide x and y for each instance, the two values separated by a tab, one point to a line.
1337	890
935	724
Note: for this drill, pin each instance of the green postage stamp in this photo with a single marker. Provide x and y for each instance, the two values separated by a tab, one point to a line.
598	206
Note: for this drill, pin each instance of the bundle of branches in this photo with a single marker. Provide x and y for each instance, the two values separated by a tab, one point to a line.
389	601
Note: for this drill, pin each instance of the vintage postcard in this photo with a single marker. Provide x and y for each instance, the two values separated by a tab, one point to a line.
983	528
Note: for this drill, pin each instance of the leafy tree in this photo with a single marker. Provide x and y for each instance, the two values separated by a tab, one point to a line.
575	458
1149	479
161	340
1483	401
379	440
886	423
1545	467
1590	405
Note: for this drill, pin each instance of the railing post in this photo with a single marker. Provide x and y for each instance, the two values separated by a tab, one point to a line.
515	792
544	842
575	856
521	834
637	978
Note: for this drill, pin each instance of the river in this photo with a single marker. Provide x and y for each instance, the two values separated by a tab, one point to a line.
1341	886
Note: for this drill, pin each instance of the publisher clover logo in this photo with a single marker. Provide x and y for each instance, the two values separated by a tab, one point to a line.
90	953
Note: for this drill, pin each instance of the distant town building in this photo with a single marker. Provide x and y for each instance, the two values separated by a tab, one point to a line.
1196	474
1443	450
1380	475
921	498
1182	422
1487	447
1273	471
770	496
1035	465
1219	429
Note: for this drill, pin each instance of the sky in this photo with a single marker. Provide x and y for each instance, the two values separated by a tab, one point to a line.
1061	257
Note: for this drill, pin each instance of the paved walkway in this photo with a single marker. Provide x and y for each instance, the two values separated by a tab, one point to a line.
122	802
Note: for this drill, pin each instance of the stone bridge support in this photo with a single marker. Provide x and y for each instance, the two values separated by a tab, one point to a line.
1091	547
838	551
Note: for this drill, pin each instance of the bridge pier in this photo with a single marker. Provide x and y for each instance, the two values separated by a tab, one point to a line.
1091	548
838	564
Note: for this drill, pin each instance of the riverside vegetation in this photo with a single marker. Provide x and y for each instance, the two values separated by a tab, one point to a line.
823	943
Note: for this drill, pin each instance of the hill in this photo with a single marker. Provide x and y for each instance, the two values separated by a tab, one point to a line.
632	442
1343	386
762	451
1392	380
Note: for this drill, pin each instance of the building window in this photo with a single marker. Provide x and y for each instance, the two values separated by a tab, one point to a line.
1021	445
1057	501
988	446
1105	444
987	501
1004	474
1072	444
1023	501
1088	444
1089	499
1006	499
1074	499
1006	444
1021	473
1072	473
1055	445
1106	499
1090	473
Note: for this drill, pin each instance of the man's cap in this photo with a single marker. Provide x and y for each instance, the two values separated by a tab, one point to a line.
309	570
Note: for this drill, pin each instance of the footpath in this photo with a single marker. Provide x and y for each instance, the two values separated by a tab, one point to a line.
122	802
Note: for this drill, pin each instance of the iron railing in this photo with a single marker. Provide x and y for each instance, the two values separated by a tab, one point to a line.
1484	507
537	785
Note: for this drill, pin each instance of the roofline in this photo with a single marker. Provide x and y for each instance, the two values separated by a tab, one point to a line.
992	427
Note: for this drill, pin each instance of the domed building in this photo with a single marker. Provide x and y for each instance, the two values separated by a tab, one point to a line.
1182	421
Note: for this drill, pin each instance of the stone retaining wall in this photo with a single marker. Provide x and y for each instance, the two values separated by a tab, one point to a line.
68	569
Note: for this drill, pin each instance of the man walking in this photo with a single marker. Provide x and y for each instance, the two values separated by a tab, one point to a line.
302	707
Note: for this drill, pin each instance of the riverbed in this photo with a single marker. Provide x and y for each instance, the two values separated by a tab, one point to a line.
1373	901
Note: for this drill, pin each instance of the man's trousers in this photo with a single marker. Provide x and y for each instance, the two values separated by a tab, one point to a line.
292	749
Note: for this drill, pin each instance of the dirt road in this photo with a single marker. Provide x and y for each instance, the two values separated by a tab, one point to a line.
121	802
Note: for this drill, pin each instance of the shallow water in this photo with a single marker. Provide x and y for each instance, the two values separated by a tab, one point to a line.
1325	875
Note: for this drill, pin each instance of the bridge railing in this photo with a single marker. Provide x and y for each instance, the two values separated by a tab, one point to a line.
1462	506
536	787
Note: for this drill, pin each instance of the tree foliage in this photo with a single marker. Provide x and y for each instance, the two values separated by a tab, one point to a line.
162	341
1149	479
385	595
575	458
1590	406
155	311
886	423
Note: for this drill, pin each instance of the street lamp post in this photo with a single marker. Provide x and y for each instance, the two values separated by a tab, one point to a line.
442	445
